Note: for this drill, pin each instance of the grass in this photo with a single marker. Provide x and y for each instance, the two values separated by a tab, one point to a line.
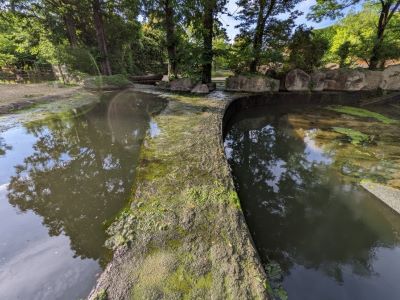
222	73
360	112
113	81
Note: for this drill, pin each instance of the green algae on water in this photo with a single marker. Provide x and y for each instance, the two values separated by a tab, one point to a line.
356	137
360	112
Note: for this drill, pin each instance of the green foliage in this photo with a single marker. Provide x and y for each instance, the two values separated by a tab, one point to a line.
343	52
306	49
117	81
240	54
356	36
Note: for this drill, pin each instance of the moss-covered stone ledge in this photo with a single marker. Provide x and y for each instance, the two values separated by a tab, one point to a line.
184	235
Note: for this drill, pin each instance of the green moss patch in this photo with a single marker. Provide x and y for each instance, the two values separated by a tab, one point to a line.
354	136
360	112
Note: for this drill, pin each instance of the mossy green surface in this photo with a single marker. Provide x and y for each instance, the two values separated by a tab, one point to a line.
360	112
185	216
356	137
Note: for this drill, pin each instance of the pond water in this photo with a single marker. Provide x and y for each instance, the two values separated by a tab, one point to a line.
297	172
61	180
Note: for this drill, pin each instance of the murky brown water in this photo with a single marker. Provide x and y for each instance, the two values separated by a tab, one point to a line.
61	180
319	234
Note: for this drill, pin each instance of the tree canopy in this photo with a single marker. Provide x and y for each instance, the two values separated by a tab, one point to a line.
187	38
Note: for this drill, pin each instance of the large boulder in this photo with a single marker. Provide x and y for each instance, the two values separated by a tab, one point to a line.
344	80
373	79
317	81
182	85
252	83
201	88
391	78
297	80
204	88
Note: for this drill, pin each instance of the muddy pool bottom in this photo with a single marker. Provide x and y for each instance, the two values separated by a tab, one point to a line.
297	171
62	179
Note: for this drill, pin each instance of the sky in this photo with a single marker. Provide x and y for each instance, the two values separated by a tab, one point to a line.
304	6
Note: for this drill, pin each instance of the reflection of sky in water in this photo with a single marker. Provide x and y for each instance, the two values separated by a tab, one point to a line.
314	154
46	257
59	181
154	129
277	168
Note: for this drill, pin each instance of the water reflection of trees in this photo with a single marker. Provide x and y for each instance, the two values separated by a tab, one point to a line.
81	170
296	211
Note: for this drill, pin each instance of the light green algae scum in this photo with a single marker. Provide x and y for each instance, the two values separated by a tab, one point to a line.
183	235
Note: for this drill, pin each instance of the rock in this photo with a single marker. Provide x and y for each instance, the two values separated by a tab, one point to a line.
165	85
297	80
344	80
391	78
165	78
317	81
332	66
204	88
201	88
263	69
212	86
373	79
182	85
254	83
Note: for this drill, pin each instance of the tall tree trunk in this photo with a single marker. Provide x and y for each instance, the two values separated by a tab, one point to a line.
208	25
257	45
71	29
376	50
387	13
258	37
105	66
171	38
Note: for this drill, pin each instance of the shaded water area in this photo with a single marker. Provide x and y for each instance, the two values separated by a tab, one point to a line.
61	180
297	172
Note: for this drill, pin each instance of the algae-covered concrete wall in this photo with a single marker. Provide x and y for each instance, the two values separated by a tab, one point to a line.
184	234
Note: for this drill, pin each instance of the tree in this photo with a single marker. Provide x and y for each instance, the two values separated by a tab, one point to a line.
255	16
101	37
387	9
358	41
167	13
306	49
343	52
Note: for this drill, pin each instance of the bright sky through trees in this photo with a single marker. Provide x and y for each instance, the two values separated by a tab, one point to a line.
230	22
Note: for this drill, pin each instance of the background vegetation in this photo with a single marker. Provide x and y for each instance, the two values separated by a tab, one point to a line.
186	37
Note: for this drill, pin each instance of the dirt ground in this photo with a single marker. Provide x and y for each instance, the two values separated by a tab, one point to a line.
16	96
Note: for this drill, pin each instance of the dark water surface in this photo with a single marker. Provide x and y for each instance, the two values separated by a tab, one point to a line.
60	180
319	234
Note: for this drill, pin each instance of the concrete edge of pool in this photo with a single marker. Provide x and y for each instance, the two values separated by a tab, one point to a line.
184	233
